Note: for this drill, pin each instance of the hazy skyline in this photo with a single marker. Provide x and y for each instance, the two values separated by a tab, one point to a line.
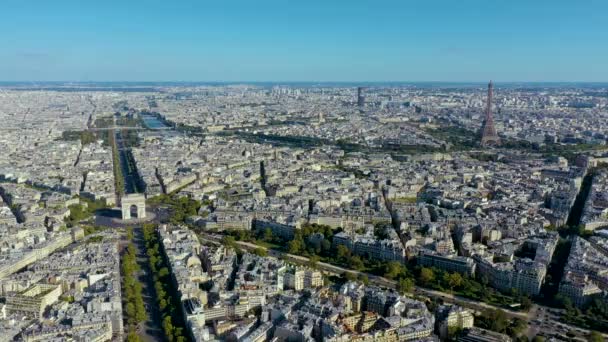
304	41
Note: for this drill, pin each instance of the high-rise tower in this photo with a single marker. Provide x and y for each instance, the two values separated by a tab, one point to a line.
488	132
360	97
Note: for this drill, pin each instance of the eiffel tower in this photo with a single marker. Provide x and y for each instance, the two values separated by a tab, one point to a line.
489	137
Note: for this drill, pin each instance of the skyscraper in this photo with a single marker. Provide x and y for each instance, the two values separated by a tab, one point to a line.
489	136
360	97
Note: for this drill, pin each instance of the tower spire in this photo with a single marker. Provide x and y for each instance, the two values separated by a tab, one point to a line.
488	132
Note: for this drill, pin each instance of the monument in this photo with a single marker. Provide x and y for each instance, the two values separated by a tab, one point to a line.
133	206
489	137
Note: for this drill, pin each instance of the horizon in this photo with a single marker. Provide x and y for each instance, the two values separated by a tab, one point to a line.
289	82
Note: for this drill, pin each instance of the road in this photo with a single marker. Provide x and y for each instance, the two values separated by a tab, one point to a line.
150	330
377	280
129	176
548	318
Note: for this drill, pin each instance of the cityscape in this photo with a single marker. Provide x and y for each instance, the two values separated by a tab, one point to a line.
257	212
135	209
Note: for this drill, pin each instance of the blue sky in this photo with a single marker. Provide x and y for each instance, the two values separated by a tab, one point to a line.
305	40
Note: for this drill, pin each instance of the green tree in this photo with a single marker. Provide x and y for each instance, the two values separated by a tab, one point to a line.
427	276
595	337
484	280
140	309
168	327
566	302
393	270
363	278
160	291
130	233
356	263
454	280
350	276
130	310
259	251
453	332
295	246
163	272
138	287
131	250
405	285
132	335
268	237
325	246
177	333
229	241
162	304
342	252
517	327
313	261
152	259
498	320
